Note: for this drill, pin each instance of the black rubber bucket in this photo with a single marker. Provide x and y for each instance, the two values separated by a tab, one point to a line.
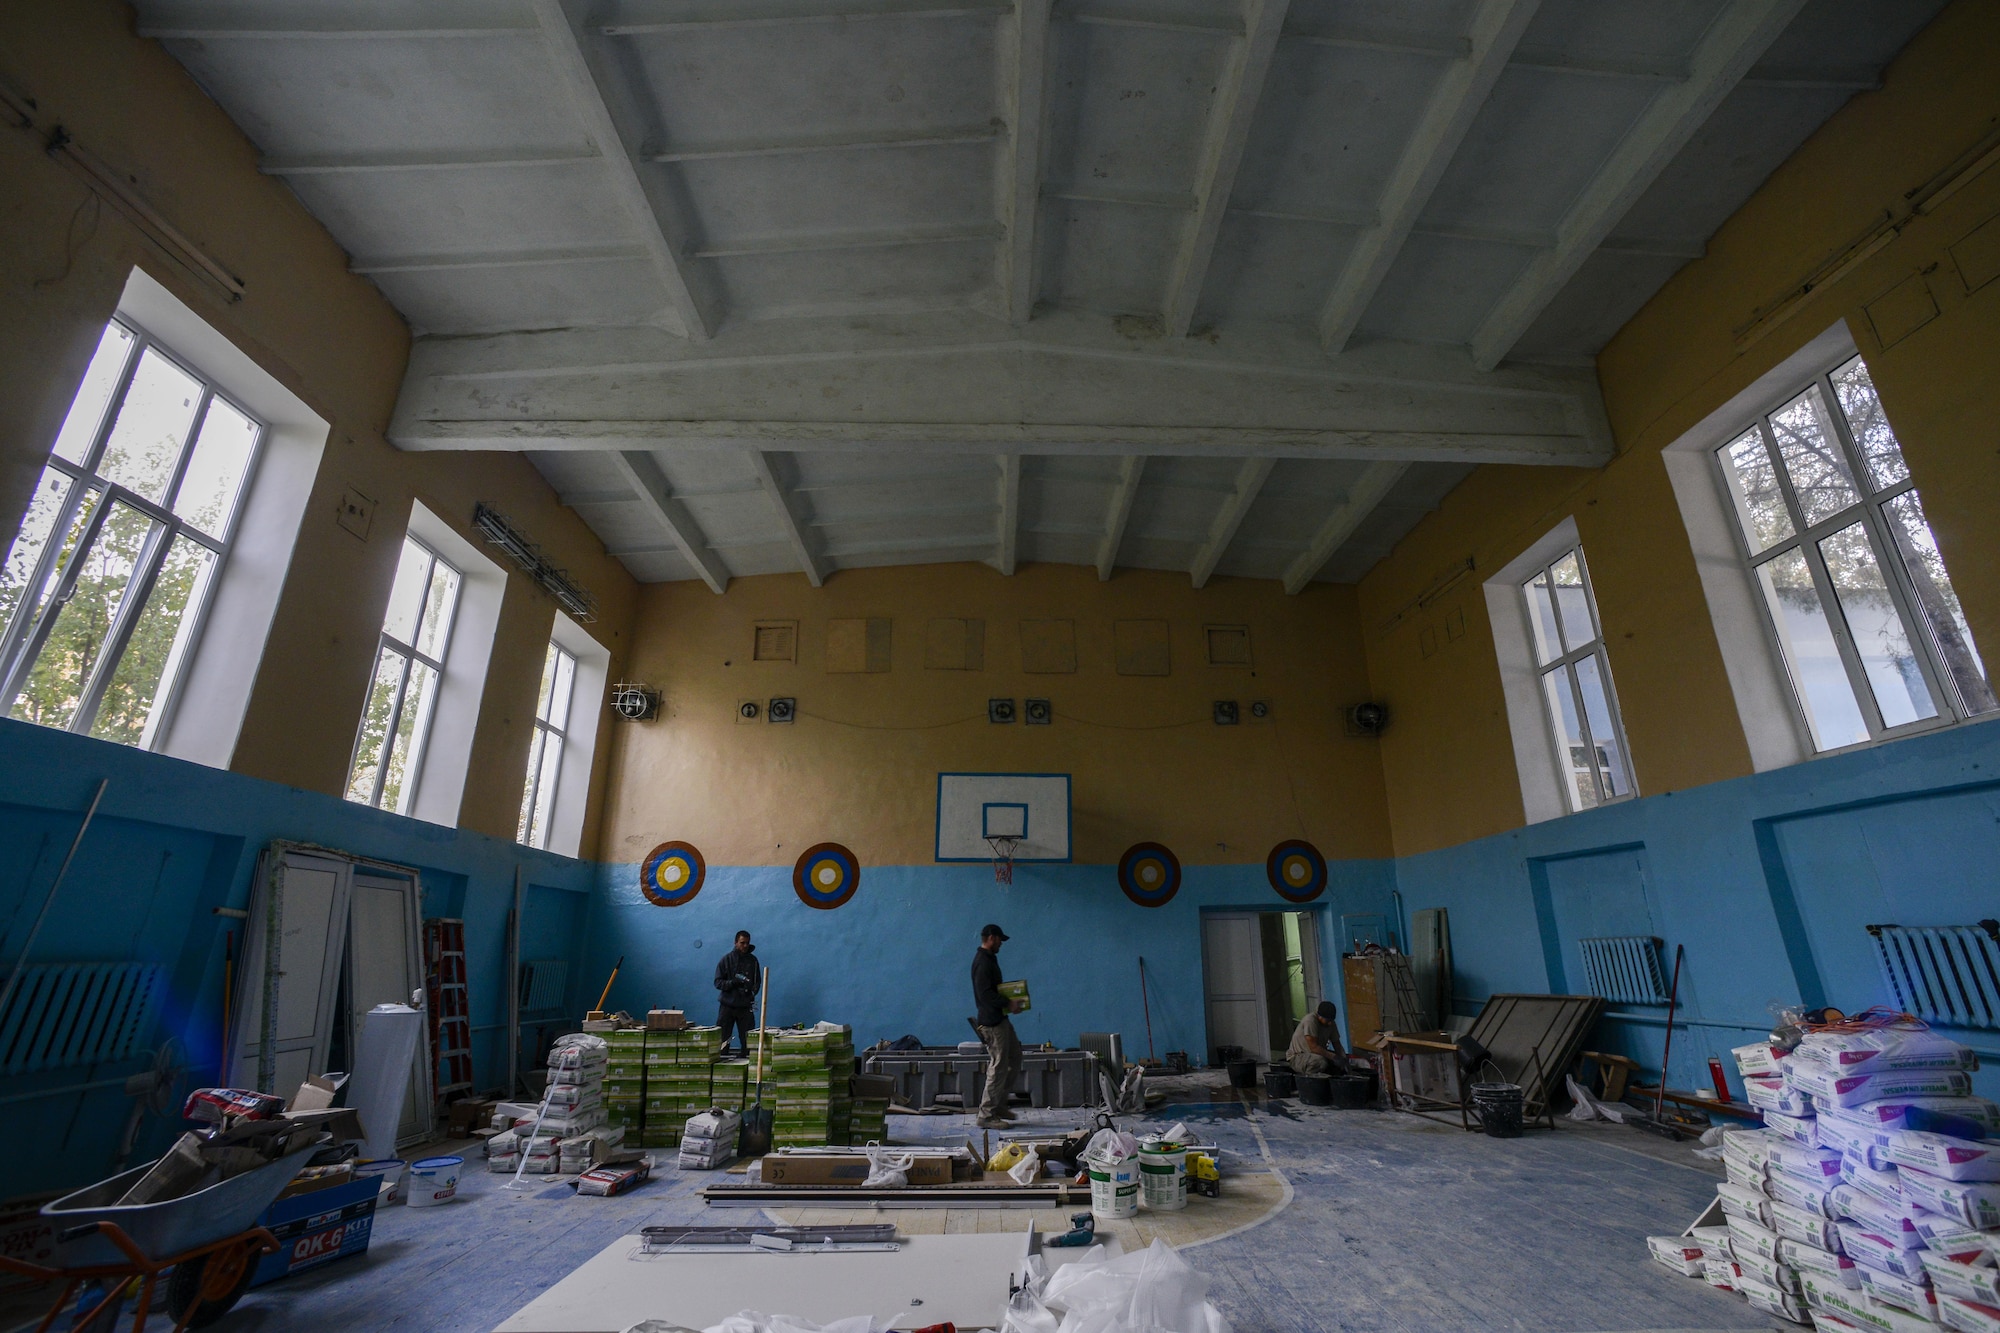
1229	1054
1242	1073
1498	1106
1349	1092
1280	1083
1315	1089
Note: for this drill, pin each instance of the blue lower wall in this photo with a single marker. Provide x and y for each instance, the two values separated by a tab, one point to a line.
1768	882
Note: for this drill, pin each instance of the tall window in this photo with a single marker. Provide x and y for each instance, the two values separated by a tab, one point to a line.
538	802
103	592
389	748
1576	683
1865	616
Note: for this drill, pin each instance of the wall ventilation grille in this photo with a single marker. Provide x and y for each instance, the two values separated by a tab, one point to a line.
1624	969
1944	974
66	1014
543	985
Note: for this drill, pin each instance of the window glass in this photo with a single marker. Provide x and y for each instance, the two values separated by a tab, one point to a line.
439	602
1542	615
44	508
54	689
1876	628
1806	639
130	708
1597	714
545	790
376	718
207	495
565	686
86	413
406	597
1572	603
1938	602
1573	752
552	706
389	744
1866	422
406	748
1812	455
145	445
1753	485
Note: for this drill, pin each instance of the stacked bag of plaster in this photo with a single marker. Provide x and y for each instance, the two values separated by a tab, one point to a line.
583	1151
1787	1110
573	1103
708	1140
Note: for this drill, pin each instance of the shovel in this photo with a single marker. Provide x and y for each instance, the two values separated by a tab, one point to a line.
754	1140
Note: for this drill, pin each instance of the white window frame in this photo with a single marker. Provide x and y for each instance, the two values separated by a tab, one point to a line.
1766	696
1566	662
587	717
24	638
410	653
540	772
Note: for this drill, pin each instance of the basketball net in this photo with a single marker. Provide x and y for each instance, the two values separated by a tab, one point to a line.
1003	858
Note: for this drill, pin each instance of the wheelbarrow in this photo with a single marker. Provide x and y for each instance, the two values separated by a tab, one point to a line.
209	1238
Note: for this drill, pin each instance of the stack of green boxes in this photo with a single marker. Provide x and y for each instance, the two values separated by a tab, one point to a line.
677	1081
871	1121
729	1085
807	1087
625	1083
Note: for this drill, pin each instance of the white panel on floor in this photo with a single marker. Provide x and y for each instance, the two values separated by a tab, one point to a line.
931	1280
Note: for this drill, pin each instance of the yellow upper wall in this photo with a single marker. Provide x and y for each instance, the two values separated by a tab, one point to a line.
1449	764
859	765
327	335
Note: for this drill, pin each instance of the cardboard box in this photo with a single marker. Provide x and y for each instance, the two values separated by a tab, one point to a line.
317	1228
468	1114
1017	991
666	1020
872	1087
844	1169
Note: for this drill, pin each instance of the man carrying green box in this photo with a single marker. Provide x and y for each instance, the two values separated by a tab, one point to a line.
1003	1048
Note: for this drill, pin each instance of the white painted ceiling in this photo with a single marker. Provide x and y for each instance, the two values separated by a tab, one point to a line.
1229	286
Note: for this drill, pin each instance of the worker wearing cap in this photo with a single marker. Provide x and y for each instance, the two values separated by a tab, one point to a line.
737	975
1316	1047
1003	1048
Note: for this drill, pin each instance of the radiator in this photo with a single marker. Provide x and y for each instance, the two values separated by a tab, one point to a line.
1624	969
67	1014
544	983
1943	974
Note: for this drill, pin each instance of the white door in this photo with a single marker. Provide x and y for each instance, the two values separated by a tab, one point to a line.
1232	957
384	967
287	986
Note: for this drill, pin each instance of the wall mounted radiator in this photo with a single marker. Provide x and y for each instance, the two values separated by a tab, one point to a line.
543	985
68	1014
1943	974
1624	969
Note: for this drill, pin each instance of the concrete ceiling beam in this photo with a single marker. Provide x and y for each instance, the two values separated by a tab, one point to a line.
1229	122
824	242
1454	103
752	14
782	505
1734	41
1375	482
1129	474
838	143
1023	76
598	254
355	164
1250	479
649	211
642	473
1010	513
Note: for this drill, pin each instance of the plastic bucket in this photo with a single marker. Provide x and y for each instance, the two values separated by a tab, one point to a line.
1163	1176
1349	1091
1280	1083
1315	1089
434	1180
1242	1073
1498	1106
1114	1187
394	1170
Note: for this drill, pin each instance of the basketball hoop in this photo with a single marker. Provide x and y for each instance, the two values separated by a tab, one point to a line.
1003	857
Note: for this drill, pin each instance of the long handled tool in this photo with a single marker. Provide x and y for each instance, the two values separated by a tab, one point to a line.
1673	997
755	1138
616	968
1146	1002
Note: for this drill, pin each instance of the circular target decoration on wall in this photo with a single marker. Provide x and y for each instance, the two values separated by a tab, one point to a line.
1149	874
1296	870
826	876
671	874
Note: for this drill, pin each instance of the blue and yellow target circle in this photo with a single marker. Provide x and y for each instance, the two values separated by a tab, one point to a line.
1296	870
826	876
671	874
1149	874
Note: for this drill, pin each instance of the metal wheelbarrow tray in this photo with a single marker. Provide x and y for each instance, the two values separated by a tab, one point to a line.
172	1226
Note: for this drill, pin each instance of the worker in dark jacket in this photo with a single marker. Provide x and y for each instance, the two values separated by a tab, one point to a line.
737	977
1003	1048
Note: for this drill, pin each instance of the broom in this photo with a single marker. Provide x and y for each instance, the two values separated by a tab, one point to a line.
755	1138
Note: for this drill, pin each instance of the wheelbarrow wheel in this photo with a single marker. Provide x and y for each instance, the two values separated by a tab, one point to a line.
209	1285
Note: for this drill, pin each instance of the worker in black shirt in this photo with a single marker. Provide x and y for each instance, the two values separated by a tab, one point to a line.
737	977
1003	1048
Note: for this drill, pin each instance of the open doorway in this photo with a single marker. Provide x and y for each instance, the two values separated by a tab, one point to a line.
1260	976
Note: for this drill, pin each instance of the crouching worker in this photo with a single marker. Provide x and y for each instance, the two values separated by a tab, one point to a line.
1316	1047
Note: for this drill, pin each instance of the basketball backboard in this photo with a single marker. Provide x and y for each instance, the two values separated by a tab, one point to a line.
973	807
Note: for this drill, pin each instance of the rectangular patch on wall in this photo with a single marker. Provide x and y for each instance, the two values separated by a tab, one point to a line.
1228	645
1140	647
1902	310
1048	647
775	641
858	645
1978	255
955	645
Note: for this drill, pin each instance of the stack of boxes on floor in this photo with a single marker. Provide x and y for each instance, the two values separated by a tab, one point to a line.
870	1123
625	1084
810	1069
1871	1199
679	1069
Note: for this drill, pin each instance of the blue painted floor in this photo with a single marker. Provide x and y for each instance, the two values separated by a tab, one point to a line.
1398	1223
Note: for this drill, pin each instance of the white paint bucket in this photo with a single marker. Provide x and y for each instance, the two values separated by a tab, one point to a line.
1163	1176
434	1180
1114	1187
393	1170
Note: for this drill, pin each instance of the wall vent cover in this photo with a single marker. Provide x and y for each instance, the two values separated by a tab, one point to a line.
66	1014
1624	969
1943	974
